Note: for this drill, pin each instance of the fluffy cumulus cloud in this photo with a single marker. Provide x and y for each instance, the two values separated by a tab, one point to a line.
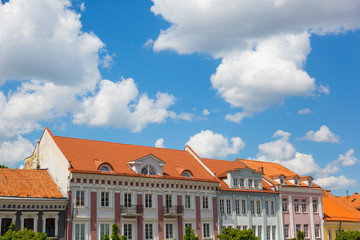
304	111
14	151
283	152
263	46
214	145
160	143
322	135
119	104
336	183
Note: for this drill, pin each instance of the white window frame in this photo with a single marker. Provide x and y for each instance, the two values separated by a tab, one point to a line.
108	193
303	205
296	206
285	207
272	206
222	206
47	215
237	206
209	230
148	200
7	214
170	236
33	215
317	230
258	207
205	202
306	230
188	201
228	206
243	207
315	206
85	229
252	204
132	229
152	230
126	199
273	232
286	231
85	198
110	228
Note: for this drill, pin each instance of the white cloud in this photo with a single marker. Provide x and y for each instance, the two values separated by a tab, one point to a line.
42	39
336	183
205	112
349	159
304	111
322	135
213	145
160	143
13	152
82	6
263	46
119	105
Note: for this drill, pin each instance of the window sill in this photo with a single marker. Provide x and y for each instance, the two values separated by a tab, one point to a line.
149	209
105	208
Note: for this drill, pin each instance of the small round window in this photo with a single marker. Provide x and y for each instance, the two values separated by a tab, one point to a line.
148	170
186	174
105	168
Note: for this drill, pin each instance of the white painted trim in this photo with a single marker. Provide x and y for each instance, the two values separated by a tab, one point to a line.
194	155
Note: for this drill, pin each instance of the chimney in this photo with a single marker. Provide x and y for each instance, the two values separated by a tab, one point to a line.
355	193
261	170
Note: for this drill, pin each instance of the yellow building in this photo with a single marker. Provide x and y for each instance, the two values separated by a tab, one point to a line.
338	215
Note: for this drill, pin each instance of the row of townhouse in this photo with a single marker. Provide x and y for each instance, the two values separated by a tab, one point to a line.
154	193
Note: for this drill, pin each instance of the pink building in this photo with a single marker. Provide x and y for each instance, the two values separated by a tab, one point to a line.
300	198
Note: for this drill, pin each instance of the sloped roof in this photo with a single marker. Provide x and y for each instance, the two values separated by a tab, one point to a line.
27	183
337	210
353	200
274	170
221	167
83	154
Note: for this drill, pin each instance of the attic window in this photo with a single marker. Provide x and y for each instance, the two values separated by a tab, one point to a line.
105	168
296	181
186	173
148	170
282	181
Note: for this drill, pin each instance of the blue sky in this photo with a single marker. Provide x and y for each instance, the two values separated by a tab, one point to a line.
273	82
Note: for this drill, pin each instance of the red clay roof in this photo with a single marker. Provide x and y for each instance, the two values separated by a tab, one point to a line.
84	156
221	167
353	200
337	210
27	183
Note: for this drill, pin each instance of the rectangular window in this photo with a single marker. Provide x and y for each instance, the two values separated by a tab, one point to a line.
273	232
252	207
149	233
267	207
169	231
187	201
222	208
330	234
317	230
235	181
29	223
254	229
298	228
272	207
259	232
336	233
5	223
315	206
238	227
228	206
105	199
250	183
80	232
258	208
286	231
128	231
244	227
80	198
243	206
104	229
188	225
127	199
241	182
284	205
237	206
256	182
296	205
168	200
268	233
306	230
205	202
50	227
206	228
148	200
303	205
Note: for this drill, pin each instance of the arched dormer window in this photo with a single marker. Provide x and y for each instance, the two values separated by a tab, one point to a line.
186	173
105	168
148	170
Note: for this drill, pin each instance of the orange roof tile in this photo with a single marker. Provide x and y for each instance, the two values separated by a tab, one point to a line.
85	155
27	183
353	200
337	210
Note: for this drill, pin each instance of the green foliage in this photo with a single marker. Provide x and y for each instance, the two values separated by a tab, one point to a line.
350	235
300	235
115	232
106	237
3	166
190	234
236	234
14	233
123	238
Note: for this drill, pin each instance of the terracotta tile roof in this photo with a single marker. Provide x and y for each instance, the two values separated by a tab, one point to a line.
27	183
337	210
221	167
353	200
85	156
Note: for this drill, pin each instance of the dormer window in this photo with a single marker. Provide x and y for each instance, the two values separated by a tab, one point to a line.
148	170
186	173
105	168
282	181
296	182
